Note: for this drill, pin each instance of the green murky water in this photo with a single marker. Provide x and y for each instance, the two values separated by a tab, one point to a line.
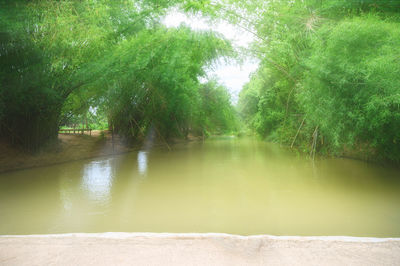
239	186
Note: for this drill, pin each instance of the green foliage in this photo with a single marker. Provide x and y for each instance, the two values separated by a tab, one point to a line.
328	80
329	77
352	86
102	63
154	81
29	105
216	112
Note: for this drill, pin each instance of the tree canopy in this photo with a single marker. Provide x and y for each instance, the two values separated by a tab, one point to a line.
328	79
62	60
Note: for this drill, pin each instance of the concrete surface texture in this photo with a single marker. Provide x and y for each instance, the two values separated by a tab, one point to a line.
195	249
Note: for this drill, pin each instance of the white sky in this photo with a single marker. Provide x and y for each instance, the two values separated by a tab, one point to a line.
232	75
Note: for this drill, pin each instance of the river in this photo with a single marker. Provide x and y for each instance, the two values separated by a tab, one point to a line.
227	185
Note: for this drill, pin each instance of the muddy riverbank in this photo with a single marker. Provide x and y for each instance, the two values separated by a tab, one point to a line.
68	147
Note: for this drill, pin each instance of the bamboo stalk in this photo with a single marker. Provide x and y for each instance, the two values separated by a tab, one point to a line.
297	133
158	132
314	143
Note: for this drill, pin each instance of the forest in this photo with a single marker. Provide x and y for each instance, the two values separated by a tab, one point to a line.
328	81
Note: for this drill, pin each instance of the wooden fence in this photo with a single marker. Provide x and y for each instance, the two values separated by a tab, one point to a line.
75	131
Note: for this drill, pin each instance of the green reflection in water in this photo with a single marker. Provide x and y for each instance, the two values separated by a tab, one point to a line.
239	186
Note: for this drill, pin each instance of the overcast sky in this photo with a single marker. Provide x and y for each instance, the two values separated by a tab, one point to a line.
232	75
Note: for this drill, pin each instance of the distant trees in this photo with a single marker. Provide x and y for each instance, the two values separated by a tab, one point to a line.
154	82
217	115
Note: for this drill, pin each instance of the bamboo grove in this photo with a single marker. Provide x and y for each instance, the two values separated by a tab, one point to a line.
329	74
61	60
328	80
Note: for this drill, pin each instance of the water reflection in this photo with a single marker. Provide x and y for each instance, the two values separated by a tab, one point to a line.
97	179
233	186
142	162
66	193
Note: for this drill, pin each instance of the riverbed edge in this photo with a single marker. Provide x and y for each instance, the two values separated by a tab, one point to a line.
125	235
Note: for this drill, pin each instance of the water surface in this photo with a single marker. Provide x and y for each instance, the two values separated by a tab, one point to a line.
229	185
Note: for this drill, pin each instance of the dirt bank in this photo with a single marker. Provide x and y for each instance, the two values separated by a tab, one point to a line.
69	147
195	249
72	147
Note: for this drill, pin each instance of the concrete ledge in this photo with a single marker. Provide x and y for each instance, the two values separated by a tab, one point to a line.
195	249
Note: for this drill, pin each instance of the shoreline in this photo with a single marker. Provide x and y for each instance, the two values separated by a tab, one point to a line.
67	161
196	249
69	148
124	235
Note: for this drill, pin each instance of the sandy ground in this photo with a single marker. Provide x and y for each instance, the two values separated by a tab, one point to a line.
195	249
